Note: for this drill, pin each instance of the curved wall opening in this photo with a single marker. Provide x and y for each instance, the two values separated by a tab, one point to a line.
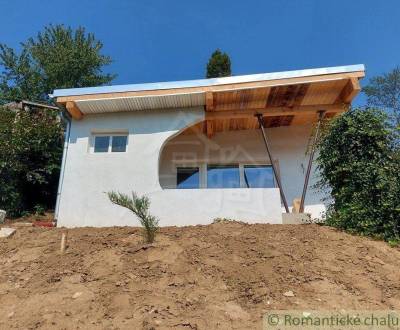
191	149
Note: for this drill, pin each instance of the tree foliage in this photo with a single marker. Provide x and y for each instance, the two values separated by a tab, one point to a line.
30	149
31	141
384	92
219	65
140	207
359	162
58	57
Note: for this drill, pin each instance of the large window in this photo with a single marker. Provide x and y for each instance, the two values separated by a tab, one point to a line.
110	143
258	176
223	176
188	177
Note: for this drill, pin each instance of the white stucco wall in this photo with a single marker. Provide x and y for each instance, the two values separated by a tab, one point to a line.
88	176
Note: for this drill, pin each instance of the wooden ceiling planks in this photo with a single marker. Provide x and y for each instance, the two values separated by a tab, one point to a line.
240	99
287	96
324	93
332	94
277	121
327	92
236	124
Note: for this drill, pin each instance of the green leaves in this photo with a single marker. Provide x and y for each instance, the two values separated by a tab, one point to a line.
31	141
359	161
384	92
140	207
30	156
219	65
58	57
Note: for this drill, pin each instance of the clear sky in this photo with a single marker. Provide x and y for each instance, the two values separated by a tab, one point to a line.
160	40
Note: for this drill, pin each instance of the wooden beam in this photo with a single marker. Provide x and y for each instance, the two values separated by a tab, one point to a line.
209	129
225	87
349	91
276	111
74	110
209	101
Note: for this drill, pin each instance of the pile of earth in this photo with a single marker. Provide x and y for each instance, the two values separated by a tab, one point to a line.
221	276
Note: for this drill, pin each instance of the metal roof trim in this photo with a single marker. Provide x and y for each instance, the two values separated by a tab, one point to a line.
207	82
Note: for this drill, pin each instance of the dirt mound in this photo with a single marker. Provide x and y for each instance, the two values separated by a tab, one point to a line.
221	276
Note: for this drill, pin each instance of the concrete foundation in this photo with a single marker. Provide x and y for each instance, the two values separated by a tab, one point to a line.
296	218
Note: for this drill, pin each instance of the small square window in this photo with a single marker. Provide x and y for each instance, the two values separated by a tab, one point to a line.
101	143
119	143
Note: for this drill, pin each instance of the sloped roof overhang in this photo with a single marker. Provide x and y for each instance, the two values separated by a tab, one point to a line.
280	94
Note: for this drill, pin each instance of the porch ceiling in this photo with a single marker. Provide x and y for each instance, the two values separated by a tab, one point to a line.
285	98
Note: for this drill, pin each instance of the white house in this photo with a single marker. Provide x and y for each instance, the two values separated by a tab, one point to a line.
195	148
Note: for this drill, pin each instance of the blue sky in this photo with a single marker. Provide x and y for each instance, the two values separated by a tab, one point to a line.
160	40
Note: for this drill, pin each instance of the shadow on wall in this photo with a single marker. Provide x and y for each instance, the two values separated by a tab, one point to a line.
138	122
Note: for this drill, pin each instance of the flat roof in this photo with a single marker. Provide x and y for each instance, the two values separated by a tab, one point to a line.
207	82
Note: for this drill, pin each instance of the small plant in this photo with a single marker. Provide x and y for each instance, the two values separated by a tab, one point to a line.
25	214
222	220
39	210
227	220
140	207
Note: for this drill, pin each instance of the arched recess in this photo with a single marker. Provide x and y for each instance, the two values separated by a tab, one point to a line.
166	173
209	142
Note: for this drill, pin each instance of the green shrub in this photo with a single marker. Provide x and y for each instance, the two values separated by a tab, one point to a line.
30	158
359	162
140	207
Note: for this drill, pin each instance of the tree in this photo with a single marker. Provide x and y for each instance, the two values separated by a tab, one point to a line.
30	149
359	162
58	57
219	65
31	141
384	92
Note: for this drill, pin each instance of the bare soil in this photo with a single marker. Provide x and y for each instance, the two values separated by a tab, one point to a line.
220	276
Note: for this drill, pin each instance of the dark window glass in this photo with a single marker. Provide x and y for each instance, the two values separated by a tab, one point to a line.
188	178
119	143
223	176
258	176
101	143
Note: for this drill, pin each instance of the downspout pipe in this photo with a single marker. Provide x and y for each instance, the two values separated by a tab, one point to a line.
67	119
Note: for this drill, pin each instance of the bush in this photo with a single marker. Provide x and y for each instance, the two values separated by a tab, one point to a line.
359	162
30	158
140	207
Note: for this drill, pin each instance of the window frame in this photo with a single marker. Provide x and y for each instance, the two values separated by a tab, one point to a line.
243	181
110	135
225	164
203	173
202	182
188	167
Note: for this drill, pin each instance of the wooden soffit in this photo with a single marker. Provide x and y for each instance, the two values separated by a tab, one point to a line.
299	96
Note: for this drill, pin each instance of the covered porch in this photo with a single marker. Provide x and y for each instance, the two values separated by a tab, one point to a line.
227	150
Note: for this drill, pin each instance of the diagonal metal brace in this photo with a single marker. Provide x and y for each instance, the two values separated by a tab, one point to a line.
321	115
274	169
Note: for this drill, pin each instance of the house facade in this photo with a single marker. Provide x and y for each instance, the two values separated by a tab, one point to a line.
196	148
